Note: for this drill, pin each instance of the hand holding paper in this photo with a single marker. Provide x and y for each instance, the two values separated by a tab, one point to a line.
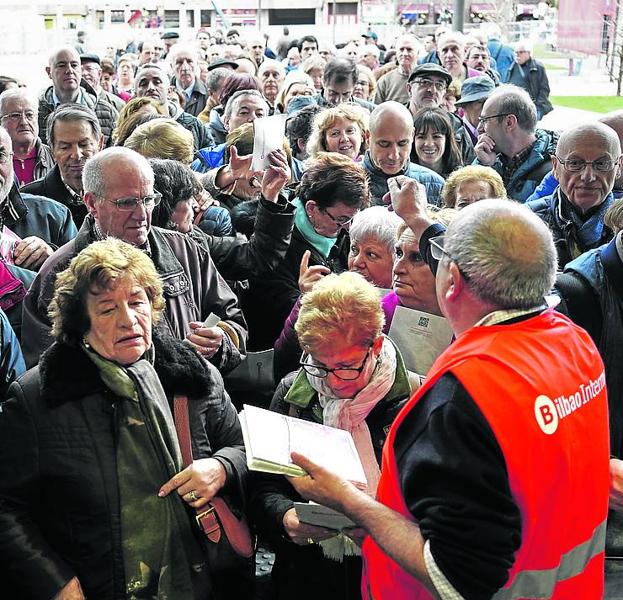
268	137
276	175
321	485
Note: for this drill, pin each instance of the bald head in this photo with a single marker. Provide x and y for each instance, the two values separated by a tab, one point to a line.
65	72
390	112
600	135
391	137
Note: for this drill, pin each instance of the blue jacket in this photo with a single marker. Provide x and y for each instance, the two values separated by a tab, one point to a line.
12	363
209	158
378	180
27	214
503	55
530	173
571	240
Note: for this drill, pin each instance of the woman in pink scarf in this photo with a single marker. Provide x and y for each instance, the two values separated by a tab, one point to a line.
351	377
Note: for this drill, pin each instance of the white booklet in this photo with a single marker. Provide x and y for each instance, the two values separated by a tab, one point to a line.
322	516
420	337
271	437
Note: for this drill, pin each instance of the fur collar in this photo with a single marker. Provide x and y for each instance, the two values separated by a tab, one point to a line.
67	374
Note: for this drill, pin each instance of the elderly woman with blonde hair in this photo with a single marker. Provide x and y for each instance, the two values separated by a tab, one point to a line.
108	513
343	129
134	107
470	184
351	377
162	138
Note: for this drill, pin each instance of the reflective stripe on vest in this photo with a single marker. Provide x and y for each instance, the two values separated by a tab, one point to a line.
541	584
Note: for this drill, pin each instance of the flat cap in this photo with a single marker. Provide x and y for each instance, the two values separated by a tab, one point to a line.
431	69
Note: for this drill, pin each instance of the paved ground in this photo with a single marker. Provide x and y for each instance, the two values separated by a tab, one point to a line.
592	80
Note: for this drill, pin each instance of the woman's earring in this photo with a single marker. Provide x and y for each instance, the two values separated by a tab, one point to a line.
86	344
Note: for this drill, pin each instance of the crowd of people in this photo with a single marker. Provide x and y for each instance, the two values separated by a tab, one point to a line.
146	258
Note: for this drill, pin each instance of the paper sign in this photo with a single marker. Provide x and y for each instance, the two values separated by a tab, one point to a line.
420	337
268	135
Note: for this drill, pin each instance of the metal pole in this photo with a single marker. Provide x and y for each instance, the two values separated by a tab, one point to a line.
334	19
458	19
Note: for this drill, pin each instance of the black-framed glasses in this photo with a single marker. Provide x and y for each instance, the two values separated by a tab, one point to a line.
341	222
575	165
437	251
440	86
130	204
482	120
345	374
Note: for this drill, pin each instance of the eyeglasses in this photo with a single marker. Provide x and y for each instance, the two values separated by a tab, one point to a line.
483	120
16	117
130	204
437	251
575	165
345	374
339	221
5	157
440	86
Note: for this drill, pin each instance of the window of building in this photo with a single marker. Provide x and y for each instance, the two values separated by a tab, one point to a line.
292	16
117	16
171	19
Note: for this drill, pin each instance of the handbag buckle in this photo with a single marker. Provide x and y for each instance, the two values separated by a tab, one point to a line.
202	514
209	523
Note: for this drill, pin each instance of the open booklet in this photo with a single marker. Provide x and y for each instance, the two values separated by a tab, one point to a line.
271	437
420	337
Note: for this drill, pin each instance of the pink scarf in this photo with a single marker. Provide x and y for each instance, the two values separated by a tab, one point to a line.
350	414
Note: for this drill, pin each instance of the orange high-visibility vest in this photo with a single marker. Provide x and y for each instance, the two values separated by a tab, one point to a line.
540	384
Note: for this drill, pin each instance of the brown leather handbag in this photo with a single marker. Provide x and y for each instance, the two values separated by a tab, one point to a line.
217	521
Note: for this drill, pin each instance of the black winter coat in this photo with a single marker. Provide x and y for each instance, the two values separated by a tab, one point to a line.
59	498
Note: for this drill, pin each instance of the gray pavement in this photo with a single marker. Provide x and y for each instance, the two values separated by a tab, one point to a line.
589	79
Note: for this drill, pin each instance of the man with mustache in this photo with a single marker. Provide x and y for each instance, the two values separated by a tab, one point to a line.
75	135
32	158
65	71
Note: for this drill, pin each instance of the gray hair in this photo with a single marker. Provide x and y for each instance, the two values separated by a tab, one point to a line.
516	101
233	99
72	112
275	64
17	94
183	47
376	222
505	252
215	76
93	179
